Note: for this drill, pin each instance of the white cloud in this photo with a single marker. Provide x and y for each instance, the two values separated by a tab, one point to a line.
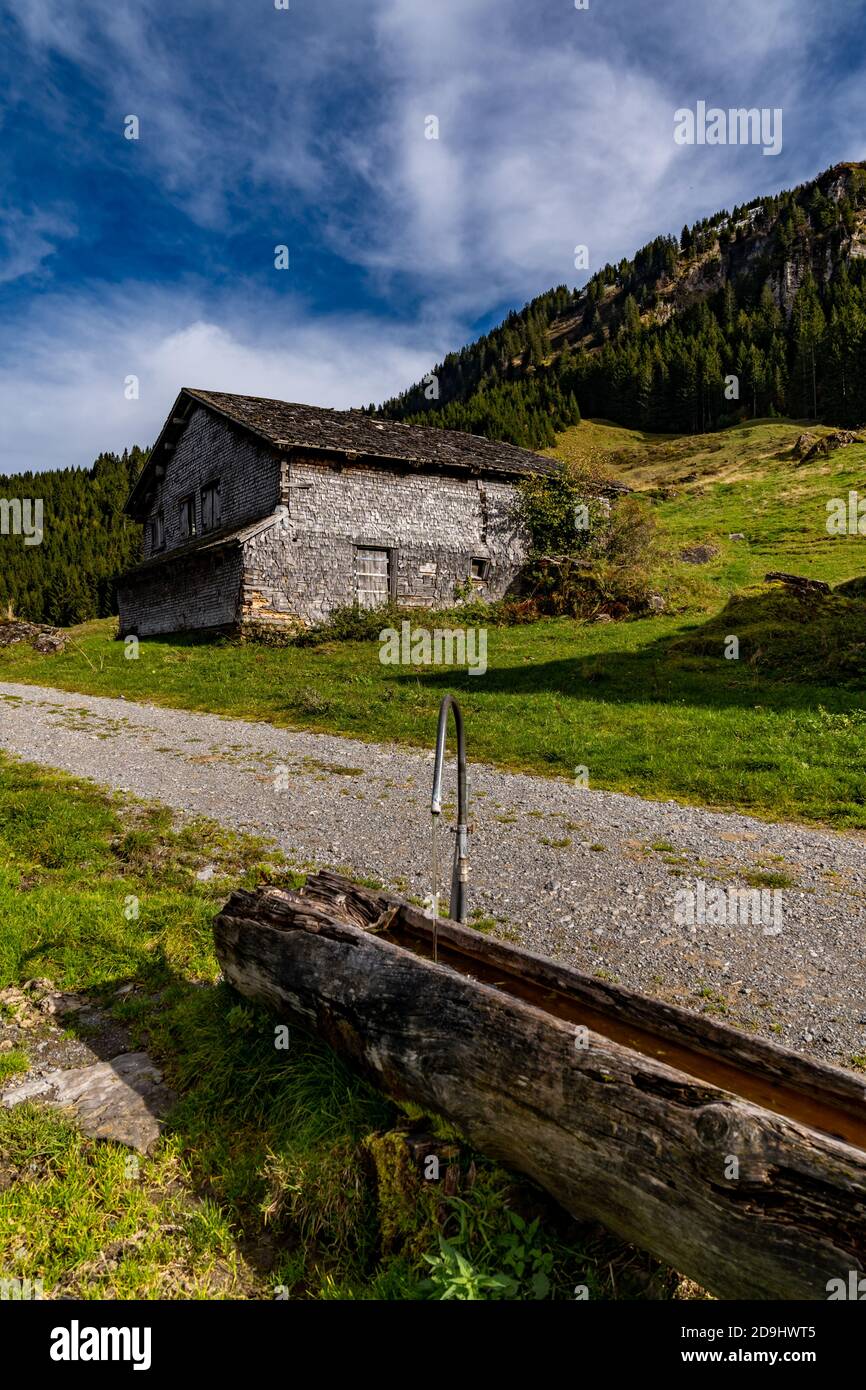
538	151
227	100
29	238
556	128
555	124
62	391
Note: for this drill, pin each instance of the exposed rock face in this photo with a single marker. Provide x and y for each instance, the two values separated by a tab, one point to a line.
798	582
804	445
840	439
790	280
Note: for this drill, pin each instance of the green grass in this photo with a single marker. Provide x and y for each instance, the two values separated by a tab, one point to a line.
768	878
650	706
281	1174
12	1063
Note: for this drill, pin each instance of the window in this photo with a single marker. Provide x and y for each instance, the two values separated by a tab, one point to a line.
186	507
157	531
210	506
479	568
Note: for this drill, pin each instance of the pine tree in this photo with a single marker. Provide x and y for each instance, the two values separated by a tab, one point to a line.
669	375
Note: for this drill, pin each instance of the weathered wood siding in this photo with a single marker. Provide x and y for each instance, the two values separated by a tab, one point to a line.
301	568
433	526
210	448
184	595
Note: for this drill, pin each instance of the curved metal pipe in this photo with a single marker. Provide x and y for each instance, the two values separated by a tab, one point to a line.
460	872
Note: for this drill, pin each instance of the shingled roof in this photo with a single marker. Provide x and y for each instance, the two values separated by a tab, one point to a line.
285	426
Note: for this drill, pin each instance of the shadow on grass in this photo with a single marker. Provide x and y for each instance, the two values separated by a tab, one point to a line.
306	1161
245	1113
792	654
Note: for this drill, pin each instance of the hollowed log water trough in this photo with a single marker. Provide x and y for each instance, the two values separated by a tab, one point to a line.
736	1161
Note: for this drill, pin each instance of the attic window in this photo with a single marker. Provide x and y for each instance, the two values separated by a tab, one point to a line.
186	508
479	569
157	531
211	512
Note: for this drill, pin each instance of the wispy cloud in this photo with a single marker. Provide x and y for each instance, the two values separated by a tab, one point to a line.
62	388
229	104
29	237
556	128
307	126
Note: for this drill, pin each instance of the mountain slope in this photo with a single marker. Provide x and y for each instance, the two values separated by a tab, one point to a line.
756	312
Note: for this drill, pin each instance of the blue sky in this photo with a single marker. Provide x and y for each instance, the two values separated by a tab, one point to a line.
305	127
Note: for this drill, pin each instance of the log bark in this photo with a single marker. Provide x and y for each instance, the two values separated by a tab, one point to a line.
735	1161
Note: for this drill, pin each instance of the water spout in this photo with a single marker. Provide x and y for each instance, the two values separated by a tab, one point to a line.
460	871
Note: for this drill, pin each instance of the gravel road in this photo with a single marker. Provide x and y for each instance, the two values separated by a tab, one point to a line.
588	877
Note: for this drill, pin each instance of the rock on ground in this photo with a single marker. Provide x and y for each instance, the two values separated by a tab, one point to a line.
111	1092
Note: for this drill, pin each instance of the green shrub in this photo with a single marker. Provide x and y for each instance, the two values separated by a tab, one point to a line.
547	509
589	553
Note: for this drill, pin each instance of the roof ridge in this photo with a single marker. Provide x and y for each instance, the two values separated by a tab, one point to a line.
352	433
381	422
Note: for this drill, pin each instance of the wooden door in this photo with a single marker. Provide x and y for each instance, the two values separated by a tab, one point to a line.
372	577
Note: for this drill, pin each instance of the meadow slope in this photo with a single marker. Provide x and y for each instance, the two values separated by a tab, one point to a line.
651	705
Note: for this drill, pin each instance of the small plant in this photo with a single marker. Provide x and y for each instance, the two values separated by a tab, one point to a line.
463	591
453	1277
525	1264
767	878
240	1019
481	921
310	701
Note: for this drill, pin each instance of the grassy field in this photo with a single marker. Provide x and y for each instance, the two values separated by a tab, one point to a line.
281	1174
650	706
